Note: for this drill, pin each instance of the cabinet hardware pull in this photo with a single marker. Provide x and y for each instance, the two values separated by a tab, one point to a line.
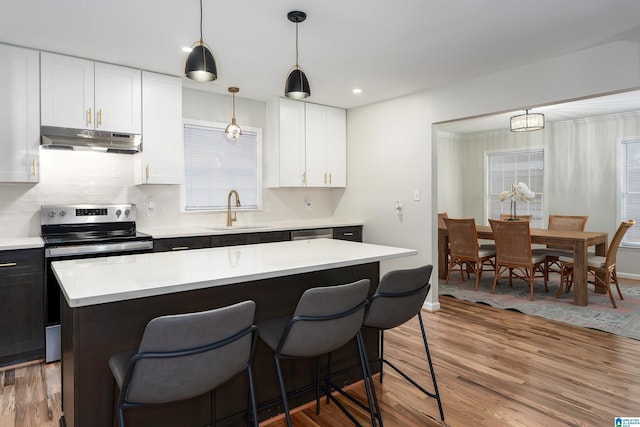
329	177
179	248
147	171
304	178
100	117
8	264
325	177
347	234
89	116
33	167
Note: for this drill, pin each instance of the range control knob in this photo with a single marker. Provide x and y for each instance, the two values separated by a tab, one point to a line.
52	214
118	213
127	212
63	213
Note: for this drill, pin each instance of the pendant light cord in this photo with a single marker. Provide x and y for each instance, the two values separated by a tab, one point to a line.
201	39
297	66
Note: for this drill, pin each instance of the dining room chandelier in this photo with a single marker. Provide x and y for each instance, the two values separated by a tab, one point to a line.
297	86
200	65
527	122
233	131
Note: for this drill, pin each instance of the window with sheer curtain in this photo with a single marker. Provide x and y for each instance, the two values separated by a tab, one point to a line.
215	165
630	195
507	168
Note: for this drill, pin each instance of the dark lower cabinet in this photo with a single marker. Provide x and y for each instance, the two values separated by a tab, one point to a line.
21	306
352	233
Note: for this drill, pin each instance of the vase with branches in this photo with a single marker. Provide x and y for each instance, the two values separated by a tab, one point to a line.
519	193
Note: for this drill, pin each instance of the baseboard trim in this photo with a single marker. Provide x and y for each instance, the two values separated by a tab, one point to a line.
431	306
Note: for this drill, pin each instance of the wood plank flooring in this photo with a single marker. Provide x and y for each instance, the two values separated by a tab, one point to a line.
494	367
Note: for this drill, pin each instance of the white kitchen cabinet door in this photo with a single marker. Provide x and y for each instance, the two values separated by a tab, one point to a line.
81	94
19	114
291	143
67	89
160	161
117	98
336	147
315	145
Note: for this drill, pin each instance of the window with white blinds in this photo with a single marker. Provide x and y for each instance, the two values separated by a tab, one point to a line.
630	208
215	165
507	168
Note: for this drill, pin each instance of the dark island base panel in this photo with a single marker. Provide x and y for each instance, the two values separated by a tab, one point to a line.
90	335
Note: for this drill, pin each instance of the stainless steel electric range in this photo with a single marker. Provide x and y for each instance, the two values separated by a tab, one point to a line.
83	231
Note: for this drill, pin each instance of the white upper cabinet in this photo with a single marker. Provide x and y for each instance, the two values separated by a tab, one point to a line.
19	114
160	161
82	94
307	146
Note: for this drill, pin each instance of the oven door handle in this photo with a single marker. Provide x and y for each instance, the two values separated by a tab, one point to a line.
98	248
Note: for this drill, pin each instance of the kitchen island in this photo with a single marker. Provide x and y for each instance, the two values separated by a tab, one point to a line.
107	302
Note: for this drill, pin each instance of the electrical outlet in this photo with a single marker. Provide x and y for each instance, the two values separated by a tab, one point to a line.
267	207
308	204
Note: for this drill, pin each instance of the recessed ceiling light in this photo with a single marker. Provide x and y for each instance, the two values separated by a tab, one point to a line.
187	49
357	91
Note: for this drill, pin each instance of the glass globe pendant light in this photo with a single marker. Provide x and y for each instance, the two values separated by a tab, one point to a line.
233	131
297	86
200	64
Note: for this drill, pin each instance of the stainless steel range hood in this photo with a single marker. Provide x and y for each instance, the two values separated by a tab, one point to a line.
84	139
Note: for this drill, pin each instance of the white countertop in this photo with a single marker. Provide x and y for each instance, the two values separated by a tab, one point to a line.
101	280
192	231
8	244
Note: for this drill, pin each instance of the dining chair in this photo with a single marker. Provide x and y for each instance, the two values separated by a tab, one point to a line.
506	217
186	355
555	251
464	250
325	319
598	266
514	254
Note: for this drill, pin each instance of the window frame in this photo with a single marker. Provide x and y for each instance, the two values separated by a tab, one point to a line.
621	188
218	126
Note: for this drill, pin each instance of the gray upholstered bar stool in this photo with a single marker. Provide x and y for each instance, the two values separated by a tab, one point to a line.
184	356
399	298
325	319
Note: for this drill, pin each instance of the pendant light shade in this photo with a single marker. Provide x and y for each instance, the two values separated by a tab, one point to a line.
527	122
297	86
200	64
233	131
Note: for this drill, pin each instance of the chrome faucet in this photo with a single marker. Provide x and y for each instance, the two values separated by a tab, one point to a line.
230	218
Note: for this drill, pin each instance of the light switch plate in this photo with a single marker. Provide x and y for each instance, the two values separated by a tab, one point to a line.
416	195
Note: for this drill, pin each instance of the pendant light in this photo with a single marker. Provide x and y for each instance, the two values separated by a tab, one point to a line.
233	131
200	64
297	86
527	122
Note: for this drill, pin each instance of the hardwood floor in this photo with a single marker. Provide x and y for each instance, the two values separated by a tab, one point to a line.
494	368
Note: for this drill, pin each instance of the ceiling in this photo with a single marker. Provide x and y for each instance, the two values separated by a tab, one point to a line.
580	109
386	48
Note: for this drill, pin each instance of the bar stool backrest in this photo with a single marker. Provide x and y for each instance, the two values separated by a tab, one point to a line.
156	377
325	319
399	297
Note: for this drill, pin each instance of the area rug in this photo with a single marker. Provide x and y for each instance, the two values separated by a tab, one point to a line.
599	314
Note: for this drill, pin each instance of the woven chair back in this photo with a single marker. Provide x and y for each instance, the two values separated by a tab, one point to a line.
463	238
612	253
513	242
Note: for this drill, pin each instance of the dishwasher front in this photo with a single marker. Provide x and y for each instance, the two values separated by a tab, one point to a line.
316	233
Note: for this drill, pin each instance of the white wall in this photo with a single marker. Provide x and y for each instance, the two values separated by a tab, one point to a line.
395	138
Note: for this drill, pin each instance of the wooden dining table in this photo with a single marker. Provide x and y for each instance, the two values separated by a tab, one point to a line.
580	240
